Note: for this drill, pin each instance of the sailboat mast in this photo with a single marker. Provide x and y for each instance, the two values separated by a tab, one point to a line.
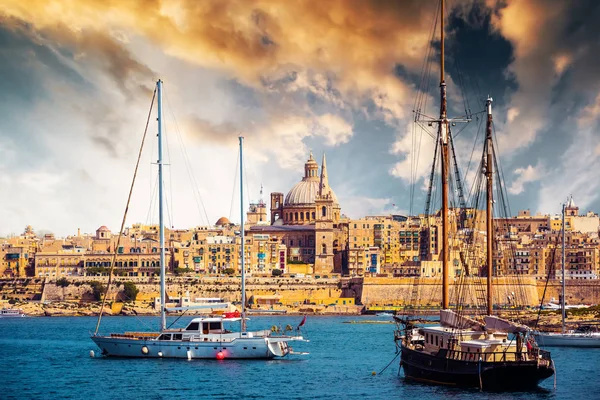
489	174
243	244
562	302
163	317
443	133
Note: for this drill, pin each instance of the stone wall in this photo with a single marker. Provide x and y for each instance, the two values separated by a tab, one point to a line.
428	291
229	289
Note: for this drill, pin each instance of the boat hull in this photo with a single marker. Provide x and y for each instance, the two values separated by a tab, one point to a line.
568	339
514	375
241	348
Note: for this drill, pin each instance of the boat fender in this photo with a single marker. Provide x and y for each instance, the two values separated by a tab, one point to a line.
92	353
145	350
160	354
220	355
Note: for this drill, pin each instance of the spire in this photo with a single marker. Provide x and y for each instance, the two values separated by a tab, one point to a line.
324	186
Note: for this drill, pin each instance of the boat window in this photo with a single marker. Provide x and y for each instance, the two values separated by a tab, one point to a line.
194	326
165	336
205	328
215	326
436	340
426	338
177	336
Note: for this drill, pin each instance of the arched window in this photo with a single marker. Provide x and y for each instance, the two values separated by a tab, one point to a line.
307	216
313	215
301	215
296	216
324	249
324	211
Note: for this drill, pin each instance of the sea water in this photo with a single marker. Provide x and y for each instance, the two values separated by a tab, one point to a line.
48	357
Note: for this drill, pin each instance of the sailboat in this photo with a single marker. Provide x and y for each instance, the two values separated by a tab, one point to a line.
573	338
206	337
493	354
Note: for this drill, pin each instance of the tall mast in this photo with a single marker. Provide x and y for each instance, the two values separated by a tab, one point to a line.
562	302
243	244
443	133
489	174
163	317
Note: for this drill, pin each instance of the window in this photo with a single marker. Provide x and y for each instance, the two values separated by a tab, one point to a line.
194	326
324	211
215	325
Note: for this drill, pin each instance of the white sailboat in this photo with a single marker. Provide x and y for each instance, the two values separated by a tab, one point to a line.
567	338
206	337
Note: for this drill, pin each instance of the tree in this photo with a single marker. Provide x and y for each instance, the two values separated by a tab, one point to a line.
98	290
62	282
277	272
130	290
229	271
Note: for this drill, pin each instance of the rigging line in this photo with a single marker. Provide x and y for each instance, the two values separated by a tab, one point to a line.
169	211
153	194
426	58
112	264
188	165
473	150
233	191
461	196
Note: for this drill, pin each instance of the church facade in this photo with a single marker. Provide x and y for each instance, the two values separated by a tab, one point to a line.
307	220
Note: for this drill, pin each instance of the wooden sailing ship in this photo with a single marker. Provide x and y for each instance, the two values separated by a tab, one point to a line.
491	353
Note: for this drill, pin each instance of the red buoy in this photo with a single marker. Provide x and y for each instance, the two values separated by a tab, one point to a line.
220	355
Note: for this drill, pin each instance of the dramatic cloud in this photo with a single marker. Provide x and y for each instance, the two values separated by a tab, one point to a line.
337	76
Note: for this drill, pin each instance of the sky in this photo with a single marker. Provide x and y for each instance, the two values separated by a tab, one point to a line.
338	77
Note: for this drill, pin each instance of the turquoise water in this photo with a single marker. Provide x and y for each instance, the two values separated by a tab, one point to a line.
45	358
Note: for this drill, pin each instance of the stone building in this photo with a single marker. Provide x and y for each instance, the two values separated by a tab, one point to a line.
306	221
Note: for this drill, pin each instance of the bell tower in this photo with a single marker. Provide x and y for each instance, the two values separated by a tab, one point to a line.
276	206
324	208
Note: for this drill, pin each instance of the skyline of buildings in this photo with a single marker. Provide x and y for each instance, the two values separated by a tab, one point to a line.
305	232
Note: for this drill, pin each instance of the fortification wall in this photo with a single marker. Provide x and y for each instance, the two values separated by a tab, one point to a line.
229	289
428	291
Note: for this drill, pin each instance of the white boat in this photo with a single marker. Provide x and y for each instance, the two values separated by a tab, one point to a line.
11	313
202	338
569	339
384	314
579	337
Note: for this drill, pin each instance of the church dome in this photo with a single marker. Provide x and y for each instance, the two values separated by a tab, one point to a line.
306	191
223	221
303	192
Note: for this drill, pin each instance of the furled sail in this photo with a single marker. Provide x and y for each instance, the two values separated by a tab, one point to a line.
493	323
451	319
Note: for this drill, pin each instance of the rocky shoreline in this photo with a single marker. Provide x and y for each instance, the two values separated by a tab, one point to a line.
145	308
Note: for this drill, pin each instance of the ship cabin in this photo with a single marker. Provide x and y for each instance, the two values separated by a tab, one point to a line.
468	345
211	326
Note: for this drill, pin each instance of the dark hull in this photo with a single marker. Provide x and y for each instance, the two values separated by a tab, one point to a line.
513	375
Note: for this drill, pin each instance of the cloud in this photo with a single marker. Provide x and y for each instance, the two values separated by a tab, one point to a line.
523	176
360	206
279	138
